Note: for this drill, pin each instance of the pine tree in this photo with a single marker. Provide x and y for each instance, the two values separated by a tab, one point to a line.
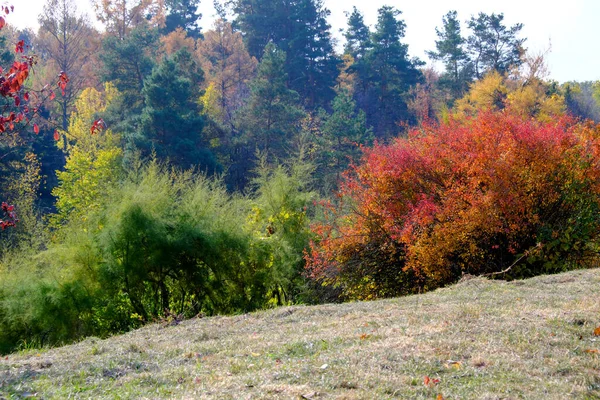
493	46
385	75
272	115
183	14
450	50
171	122
300	29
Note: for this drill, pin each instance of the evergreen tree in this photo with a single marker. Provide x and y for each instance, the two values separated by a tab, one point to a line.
450	50
342	133
300	29
385	75
358	36
183	14
272	116
126	63
492	45
171	122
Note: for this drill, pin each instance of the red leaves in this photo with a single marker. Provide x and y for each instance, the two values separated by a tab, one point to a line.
56	135
9	216
477	194
36	129
597	331
97	126
430	382
19	47
2	22
62	81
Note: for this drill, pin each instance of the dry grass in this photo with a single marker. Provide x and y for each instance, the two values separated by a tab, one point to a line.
482	339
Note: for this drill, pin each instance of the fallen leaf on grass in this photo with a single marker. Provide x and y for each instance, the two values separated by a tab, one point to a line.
453	364
364	336
429	382
439	397
597	331
592	351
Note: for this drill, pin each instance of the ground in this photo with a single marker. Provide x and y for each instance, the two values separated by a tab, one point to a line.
479	339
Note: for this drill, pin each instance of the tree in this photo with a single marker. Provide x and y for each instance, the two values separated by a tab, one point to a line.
358	36
299	28
385	75
171	123
69	41
450	49
18	105
127	63
183	14
492	45
343	133
272	116
93	161
228	69
120	17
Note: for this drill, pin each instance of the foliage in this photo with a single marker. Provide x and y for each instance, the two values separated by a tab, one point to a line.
171	122
492	45
299	28
183	14
272	115
470	196
93	161
384	72
160	242
450	48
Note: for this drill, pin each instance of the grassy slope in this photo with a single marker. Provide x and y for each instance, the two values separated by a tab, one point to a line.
482	339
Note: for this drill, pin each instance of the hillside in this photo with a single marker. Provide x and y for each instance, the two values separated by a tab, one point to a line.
478	339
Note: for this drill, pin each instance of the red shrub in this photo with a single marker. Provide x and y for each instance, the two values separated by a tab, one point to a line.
468	196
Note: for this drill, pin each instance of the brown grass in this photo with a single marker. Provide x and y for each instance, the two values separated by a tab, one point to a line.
481	339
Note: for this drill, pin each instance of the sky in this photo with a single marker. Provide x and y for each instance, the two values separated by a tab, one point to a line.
571	30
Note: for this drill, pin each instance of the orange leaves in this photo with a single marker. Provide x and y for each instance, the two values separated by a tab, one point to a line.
472	194
597	331
56	136
62	81
430	382
36	129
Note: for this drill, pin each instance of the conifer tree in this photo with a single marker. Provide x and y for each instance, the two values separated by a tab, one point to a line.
450	49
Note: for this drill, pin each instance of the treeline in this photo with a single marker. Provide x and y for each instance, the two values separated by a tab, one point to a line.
185	171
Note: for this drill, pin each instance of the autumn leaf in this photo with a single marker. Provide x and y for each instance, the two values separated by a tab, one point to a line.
36	128
597	331
439	397
430	382
2	22
592	351
56	136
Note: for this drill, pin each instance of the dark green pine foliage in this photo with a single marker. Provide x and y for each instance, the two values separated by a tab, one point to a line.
492	45
343	132
183	14
300	29
450	49
171	122
385	75
271	119
127	62
358	36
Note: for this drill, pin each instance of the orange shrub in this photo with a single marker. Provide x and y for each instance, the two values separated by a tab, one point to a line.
468	196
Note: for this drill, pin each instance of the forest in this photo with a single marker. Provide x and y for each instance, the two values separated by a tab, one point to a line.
161	169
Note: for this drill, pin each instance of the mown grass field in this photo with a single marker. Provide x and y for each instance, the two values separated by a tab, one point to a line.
479	339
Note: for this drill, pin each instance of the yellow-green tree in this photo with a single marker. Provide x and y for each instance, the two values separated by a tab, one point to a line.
93	161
